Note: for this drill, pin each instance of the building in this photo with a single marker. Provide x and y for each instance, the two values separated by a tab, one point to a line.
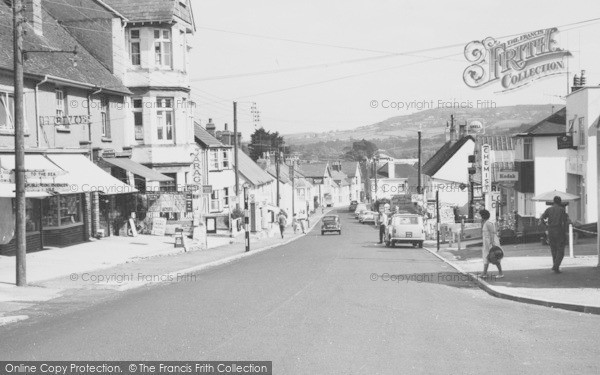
395	179
74	110
320	176
447	171
353	172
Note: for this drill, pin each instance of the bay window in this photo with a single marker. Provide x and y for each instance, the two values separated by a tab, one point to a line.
164	119
138	119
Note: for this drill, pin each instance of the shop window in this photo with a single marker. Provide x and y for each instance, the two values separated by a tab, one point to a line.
32	215
7	112
138	119
169	186
164	119
162	48
61	210
134	47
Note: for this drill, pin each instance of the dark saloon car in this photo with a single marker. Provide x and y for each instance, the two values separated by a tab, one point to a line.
331	223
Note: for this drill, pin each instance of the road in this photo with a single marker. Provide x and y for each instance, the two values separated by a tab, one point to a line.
312	307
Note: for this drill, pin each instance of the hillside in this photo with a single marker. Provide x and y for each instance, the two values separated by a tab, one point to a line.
397	135
432	121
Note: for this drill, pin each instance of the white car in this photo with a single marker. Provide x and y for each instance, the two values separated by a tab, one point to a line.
368	217
361	207
405	228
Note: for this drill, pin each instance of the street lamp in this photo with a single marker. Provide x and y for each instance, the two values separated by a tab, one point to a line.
246	186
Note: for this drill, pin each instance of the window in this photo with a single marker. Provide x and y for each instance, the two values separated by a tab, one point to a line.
225	159
134	47
581	131
528	148
169	186
215	203
162	48
226	197
60	102
164	117
7	112
525	204
214	160
138	119
104	118
61	210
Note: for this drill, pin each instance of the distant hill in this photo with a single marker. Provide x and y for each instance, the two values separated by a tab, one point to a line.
433	121
397	136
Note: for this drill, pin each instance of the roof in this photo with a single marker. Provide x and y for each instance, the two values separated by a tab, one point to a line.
402	170
348	167
205	138
283	175
59	66
555	124
153	10
314	169
445	153
340	178
138	169
498	142
252	171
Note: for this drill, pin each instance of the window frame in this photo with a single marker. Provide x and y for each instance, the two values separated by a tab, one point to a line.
165	49
163	111
528	148
9	127
138	110
133	41
105	118
582	133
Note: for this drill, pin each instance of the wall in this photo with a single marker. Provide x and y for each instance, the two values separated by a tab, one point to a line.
456	169
550	169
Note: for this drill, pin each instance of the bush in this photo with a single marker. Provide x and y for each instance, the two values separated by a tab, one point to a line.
237	213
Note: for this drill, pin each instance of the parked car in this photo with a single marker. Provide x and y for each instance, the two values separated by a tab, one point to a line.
405	228
361	207
328	200
331	223
368	217
353	206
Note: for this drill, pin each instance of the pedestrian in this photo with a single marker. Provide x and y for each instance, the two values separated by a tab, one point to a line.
383	218
282	220
295	223
302	219
557	222
488	231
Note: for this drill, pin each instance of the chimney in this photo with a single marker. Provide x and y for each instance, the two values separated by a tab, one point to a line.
462	130
226	137
447	132
391	169
33	15
453	135
579	81
210	127
582	79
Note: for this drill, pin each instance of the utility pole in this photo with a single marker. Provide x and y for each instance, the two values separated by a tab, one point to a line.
246	218
437	215
20	230
277	173
375	172
419	165
235	153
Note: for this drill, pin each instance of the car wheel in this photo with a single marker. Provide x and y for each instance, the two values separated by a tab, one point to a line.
420	244
322	233
340	232
392	244
387	242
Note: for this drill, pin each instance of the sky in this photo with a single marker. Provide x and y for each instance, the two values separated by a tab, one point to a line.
323	65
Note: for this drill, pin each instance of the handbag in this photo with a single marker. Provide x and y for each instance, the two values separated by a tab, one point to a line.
495	255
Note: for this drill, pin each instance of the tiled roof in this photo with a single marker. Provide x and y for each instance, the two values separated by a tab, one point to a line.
349	168
442	156
314	169
283	175
252	171
338	176
401	171
151	10
555	124
89	71
205	138
497	142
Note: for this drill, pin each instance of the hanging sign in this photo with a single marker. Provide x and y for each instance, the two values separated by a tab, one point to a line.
486	168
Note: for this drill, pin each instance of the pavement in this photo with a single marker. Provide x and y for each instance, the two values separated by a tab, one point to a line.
333	304
120	264
528	275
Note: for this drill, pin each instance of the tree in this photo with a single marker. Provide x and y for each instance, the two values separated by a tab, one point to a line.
360	151
262	141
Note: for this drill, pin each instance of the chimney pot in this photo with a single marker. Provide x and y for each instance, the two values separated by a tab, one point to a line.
33	14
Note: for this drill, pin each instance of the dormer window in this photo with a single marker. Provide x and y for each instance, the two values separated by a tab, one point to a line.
162	48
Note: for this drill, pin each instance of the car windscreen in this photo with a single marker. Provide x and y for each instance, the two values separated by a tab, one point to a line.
331	219
405	220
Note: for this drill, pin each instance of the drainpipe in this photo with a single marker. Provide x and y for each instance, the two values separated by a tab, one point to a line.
89	112
37	118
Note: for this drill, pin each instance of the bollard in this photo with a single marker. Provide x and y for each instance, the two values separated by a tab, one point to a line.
571	241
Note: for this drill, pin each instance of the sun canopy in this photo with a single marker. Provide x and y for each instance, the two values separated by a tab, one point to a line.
549	196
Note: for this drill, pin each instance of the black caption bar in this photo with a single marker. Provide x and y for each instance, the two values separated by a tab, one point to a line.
136	367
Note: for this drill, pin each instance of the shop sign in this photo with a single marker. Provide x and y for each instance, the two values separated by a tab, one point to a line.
159	226
486	168
42	173
317	180
475	126
109	153
197	169
47	187
564	141
189	202
65	120
507	176
514	62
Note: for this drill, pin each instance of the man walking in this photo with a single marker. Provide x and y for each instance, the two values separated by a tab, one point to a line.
282	220
383	219
557	221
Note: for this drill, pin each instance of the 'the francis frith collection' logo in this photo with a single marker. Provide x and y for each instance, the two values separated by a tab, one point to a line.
514	62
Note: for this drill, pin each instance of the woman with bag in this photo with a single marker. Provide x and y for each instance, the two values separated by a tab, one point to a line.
490	243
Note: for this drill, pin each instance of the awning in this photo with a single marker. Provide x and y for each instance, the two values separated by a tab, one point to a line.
549	196
39	171
83	176
137	168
